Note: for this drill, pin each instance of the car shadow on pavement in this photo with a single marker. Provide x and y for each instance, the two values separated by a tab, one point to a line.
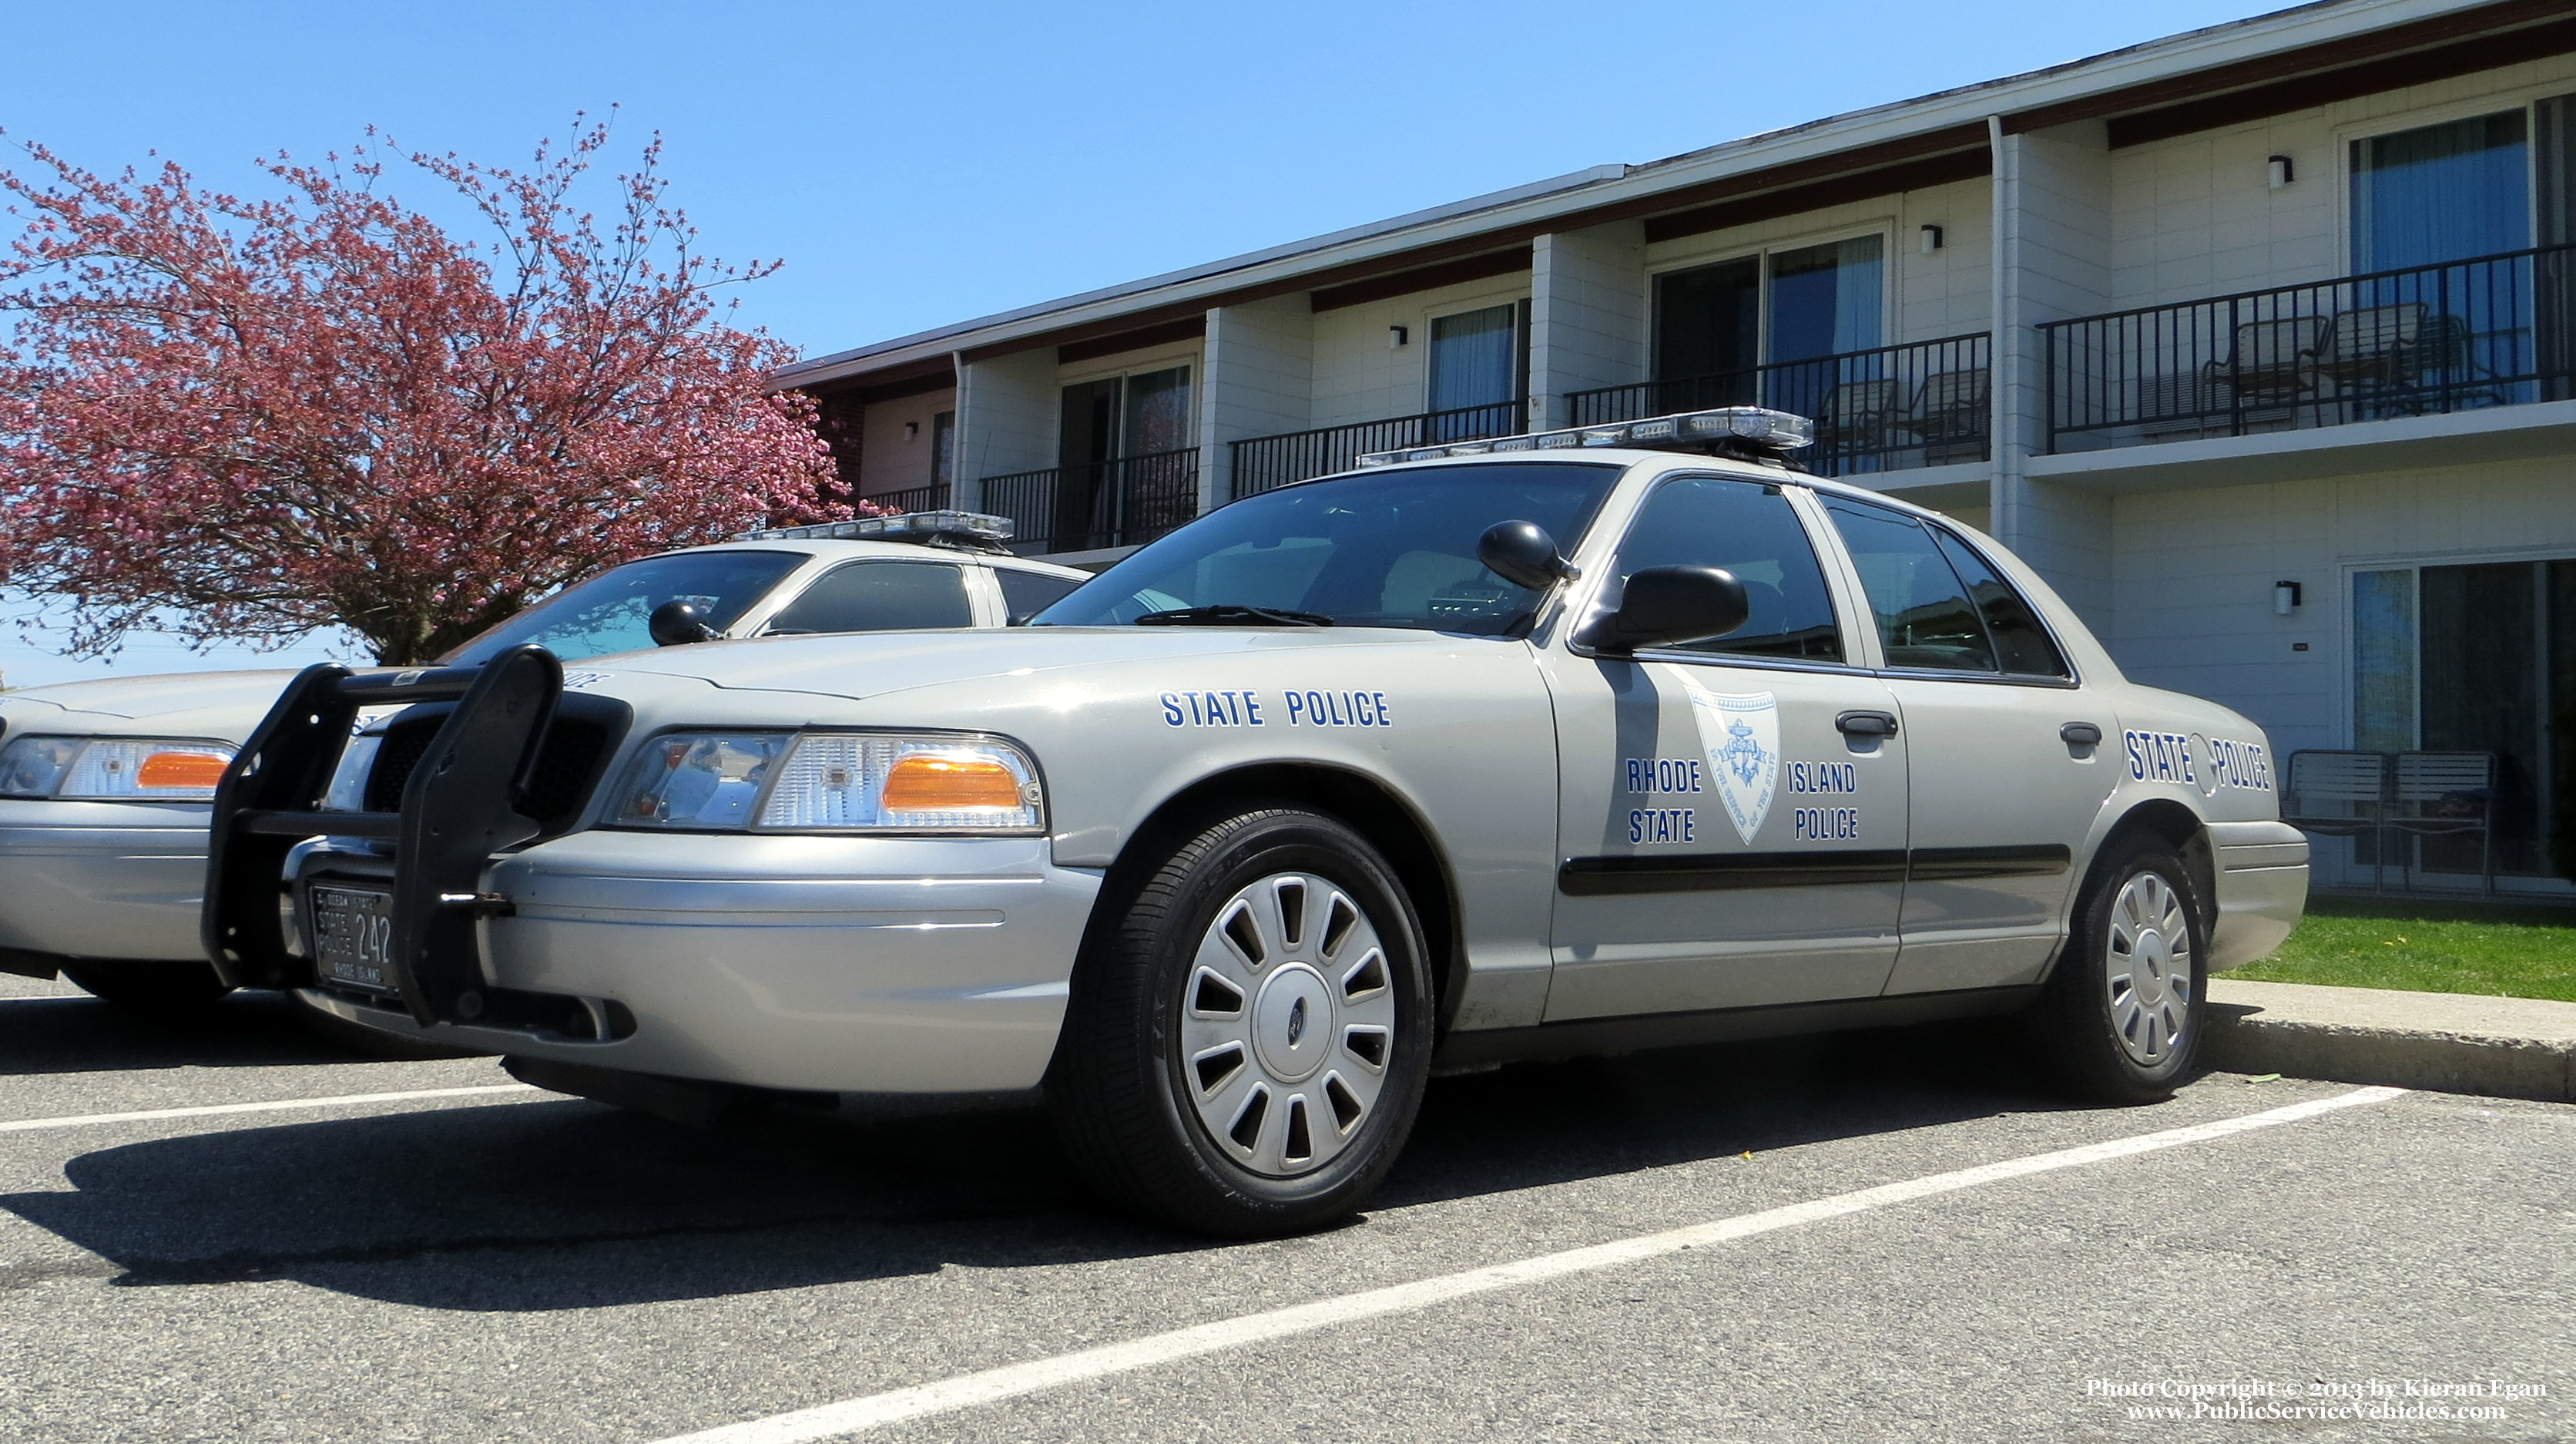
89	1035
554	1205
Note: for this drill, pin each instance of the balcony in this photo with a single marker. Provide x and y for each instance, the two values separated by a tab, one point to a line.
1097	504
1262	463
910	498
1889	409
2494	331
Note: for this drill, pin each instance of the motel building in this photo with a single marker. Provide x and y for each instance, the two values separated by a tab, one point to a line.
2259	342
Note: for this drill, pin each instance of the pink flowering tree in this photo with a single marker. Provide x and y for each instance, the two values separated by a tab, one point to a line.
251	418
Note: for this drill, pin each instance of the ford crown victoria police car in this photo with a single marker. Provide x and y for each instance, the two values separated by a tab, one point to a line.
1554	748
104	785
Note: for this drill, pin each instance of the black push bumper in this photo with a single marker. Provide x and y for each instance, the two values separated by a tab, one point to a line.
468	796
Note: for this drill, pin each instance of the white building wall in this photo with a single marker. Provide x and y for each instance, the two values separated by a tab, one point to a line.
1260	375
1006	419
1945	293
890	460
1588	315
1360	377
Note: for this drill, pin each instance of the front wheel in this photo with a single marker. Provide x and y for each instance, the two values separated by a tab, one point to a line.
2121	1017
1246	1048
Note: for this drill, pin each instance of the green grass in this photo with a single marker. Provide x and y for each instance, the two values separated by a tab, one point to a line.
2428	947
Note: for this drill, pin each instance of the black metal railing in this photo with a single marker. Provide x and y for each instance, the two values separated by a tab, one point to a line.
911	498
1264	462
2493	331
1097	504
1888	409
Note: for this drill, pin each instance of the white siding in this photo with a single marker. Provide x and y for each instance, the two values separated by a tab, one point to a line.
1943	294
1260	374
889	460
1359	377
1588	308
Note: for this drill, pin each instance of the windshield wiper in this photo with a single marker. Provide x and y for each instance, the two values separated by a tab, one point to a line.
1229	614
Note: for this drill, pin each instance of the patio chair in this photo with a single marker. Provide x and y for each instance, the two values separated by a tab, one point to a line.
2356	782
1950	414
2269	363
2446	794
1860	418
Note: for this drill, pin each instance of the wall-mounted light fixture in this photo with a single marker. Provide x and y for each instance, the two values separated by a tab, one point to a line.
1396	336
2280	171
911	429
2286	597
1931	239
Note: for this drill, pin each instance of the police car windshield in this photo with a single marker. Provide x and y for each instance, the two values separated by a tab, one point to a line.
1376	549
608	612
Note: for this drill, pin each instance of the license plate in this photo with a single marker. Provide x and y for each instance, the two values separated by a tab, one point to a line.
352	935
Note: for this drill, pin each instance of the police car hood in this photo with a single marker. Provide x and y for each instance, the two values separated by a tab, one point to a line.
218	705
873	664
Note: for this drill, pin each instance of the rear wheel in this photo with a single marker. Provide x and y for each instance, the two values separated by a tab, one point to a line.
1244	1053
149	987
2121	1017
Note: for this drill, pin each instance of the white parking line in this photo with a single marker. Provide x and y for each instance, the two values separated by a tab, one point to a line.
851	1416
281	1105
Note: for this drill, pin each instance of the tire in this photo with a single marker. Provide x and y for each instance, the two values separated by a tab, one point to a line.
2121	1017
160	989
1248	1036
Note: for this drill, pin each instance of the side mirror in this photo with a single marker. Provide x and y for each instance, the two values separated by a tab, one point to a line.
1669	607
676	623
1522	553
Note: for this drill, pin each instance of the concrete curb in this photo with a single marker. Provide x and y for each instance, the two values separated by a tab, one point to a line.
2446	1042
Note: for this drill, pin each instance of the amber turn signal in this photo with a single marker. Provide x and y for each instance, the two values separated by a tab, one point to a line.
181	769
933	782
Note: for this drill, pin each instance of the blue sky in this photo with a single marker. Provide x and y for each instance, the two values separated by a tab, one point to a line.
921	164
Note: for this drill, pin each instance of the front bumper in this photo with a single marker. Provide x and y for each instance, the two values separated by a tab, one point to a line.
832	964
2262	889
106	880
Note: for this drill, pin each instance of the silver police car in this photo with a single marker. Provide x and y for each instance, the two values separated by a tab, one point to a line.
105	785
1525	748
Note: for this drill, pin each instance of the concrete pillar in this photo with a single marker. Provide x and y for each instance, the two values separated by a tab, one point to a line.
1259	376
1006	419
2052	259
1587	315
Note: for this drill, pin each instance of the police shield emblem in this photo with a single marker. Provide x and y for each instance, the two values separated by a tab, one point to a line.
1742	736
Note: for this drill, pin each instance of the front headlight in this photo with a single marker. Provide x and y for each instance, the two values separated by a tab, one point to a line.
830	782
109	769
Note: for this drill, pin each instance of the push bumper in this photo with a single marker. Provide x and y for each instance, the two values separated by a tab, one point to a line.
102	880
2262	872
833	964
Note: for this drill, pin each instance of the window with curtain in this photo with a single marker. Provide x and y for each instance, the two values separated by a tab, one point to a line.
1786	306
2441	193
1475	358
1825	299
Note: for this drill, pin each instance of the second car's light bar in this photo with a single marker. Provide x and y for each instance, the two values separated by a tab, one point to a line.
978	526
1686	430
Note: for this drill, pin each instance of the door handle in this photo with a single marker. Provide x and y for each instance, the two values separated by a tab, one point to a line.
1866	724
2080	734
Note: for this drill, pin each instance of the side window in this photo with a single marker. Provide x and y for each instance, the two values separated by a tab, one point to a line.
1025	594
1751	530
2018	636
1925	618
878	597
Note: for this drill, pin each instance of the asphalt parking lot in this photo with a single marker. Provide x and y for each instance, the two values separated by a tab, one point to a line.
513	1265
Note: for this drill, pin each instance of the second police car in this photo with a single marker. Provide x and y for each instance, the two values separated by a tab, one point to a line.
104	784
1532	747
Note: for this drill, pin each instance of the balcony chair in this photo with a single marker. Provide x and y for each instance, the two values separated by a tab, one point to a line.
1862	419
2271	364
2387	360
1950	415
2445	794
2354	781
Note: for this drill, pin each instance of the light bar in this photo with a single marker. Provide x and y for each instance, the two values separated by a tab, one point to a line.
1763	427
903	526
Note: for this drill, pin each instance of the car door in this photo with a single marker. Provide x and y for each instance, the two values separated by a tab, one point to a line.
1732	815
2007	778
877	596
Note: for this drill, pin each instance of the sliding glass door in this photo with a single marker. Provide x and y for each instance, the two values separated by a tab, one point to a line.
1734	333
1124	457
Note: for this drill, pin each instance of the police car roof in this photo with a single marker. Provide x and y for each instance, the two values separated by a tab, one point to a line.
1632	456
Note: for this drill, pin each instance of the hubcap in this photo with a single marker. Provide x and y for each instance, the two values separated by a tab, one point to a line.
2146	964
1287	1024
